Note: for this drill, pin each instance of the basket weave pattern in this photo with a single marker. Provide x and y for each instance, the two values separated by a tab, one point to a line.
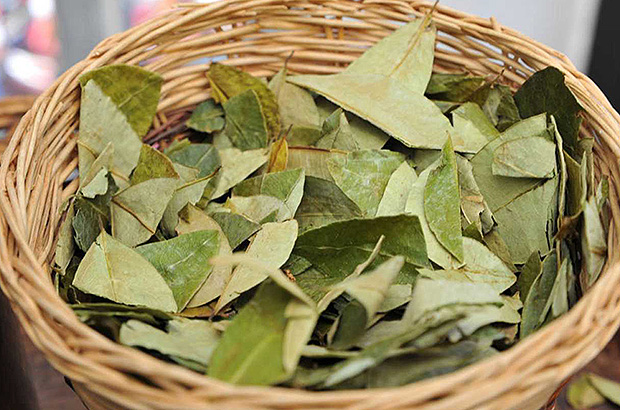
258	35
11	111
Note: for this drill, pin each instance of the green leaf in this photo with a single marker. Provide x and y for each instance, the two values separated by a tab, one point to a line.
114	271
338	289
336	133
546	92
536	306
314	351
133	90
87	222
97	186
65	247
264	342
237	165
430	295
593	244
602	193
498	104
297	107
369	290
190	190
364	175
424	158
434	326
183	262
136	210
461	320
192	219
236	227
427	363
530	271
336	249
246	124
480	266
385	87
477	317
323	203
302	318
102	123
91	215
314	161
259	208
496	244
366	135
442	203
577	184
387	330
582	395
403	237
607	388
207	117
189	339
250	350
453	87
530	157
88	311
560	211
278	156
272	245
524	236
221	141
287	186
406	56
95	180
228	82
415	206
152	164
397	296
558	300
299	136
384	102
348	327
471	123
396	193
474	208
204	157
499	190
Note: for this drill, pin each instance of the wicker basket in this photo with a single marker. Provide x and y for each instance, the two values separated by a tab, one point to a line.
259	35
11	111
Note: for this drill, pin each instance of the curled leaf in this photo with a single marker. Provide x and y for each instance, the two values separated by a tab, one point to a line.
442	203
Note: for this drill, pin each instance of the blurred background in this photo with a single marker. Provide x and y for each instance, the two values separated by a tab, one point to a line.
39	39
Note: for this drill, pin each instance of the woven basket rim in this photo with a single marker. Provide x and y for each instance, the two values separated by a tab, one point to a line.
12	202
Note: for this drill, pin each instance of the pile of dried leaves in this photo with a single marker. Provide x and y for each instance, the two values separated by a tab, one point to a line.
365	229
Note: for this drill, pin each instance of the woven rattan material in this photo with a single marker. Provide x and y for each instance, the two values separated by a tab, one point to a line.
11	111
258	35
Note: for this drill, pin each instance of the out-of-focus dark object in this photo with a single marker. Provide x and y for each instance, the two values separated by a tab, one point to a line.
16	389
605	62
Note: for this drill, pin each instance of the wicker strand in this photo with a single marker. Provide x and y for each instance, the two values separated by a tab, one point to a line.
259	35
